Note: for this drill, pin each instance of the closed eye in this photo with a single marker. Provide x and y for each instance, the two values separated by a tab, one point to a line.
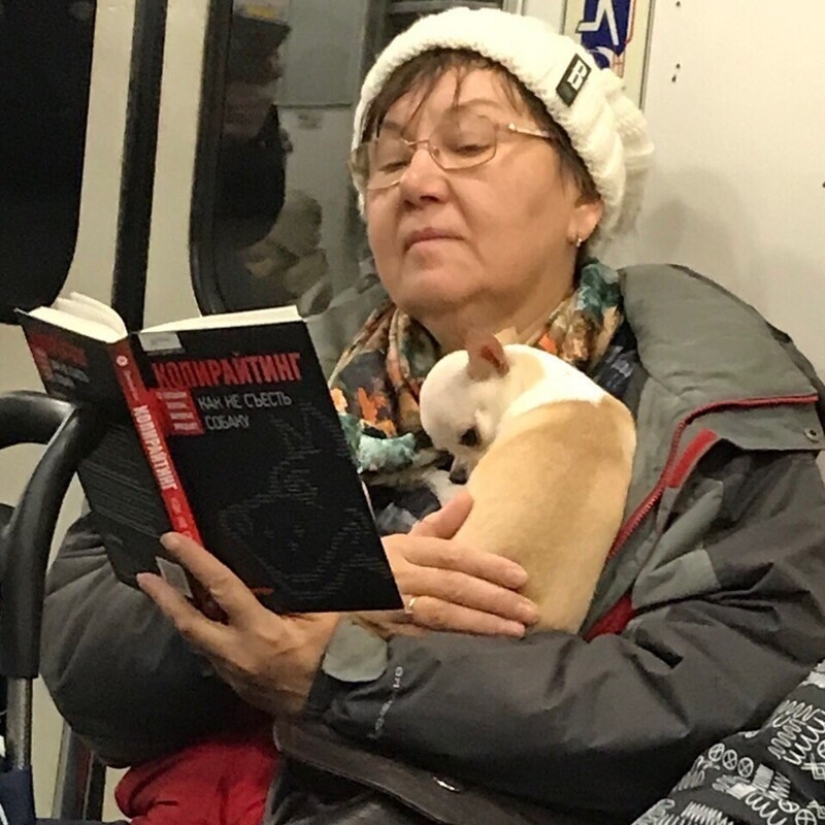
470	438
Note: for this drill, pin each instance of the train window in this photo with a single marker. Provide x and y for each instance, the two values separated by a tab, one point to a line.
45	67
274	220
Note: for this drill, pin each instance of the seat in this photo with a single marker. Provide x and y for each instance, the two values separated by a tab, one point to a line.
26	532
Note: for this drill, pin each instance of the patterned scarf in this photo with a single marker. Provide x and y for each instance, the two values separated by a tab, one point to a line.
377	381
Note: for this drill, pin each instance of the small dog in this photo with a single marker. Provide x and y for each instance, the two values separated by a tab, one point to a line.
549	455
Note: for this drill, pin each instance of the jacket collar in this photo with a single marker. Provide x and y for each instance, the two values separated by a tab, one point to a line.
702	343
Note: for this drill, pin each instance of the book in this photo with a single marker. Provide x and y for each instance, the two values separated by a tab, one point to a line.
221	428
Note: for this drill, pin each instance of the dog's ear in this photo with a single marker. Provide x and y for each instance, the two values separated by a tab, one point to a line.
507	336
487	357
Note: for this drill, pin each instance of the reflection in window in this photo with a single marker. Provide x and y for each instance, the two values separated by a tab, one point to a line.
285	228
289	265
275	218
251	181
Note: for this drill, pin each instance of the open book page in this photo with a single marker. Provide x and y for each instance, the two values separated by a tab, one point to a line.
252	317
86	307
83	326
92	318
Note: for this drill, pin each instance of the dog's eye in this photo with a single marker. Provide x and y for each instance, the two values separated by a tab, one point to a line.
470	438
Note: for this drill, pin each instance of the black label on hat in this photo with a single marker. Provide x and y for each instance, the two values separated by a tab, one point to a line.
573	81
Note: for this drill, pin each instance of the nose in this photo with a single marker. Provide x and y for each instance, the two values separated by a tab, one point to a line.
423	180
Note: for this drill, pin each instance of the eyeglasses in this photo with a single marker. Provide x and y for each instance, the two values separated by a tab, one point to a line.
461	140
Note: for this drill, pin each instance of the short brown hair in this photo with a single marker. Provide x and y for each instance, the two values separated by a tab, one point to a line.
426	69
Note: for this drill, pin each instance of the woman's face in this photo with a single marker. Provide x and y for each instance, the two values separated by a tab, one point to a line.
502	235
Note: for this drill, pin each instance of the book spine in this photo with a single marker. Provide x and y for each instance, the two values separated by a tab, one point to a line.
151	431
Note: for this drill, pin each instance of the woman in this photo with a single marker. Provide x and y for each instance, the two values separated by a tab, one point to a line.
491	157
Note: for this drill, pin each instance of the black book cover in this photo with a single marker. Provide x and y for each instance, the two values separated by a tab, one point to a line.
119	484
255	443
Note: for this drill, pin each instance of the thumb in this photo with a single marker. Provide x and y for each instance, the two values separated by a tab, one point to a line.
446	522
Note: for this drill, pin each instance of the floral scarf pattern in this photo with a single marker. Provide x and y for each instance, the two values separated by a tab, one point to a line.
376	383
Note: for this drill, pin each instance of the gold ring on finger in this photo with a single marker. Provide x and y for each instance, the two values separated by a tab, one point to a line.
410	605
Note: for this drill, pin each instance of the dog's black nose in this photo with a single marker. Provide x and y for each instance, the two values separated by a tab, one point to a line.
458	473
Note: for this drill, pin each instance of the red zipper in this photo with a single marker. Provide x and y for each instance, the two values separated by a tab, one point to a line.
674	473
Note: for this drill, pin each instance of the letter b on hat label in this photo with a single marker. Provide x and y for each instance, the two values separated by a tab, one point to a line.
573	81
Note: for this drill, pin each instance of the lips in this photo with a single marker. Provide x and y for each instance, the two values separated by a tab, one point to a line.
427	234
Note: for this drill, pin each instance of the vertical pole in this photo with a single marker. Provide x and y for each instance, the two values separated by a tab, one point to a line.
19	730
138	167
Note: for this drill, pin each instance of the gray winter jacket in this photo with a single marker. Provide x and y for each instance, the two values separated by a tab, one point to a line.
718	580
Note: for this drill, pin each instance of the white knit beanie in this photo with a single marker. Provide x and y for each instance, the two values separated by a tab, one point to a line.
605	127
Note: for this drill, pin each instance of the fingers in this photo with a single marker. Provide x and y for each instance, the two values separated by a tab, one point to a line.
228	591
445	555
468	591
200	632
467	578
458	588
436	614
446	522
443	525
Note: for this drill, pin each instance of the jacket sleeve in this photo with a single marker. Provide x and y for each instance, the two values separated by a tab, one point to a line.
117	671
612	724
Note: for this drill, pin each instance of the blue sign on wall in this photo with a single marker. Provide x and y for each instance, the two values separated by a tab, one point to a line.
615	32
605	29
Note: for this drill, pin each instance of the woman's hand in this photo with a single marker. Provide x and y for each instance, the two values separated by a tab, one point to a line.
449	587
270	661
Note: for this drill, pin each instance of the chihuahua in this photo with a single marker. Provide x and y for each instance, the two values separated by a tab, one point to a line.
549	455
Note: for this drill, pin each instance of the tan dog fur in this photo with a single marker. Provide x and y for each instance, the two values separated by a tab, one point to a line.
550	475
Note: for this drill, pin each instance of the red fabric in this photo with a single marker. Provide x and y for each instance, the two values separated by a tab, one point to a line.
614	621
222	781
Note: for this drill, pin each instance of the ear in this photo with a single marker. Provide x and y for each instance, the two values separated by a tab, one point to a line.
584	219
507	336
486	357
